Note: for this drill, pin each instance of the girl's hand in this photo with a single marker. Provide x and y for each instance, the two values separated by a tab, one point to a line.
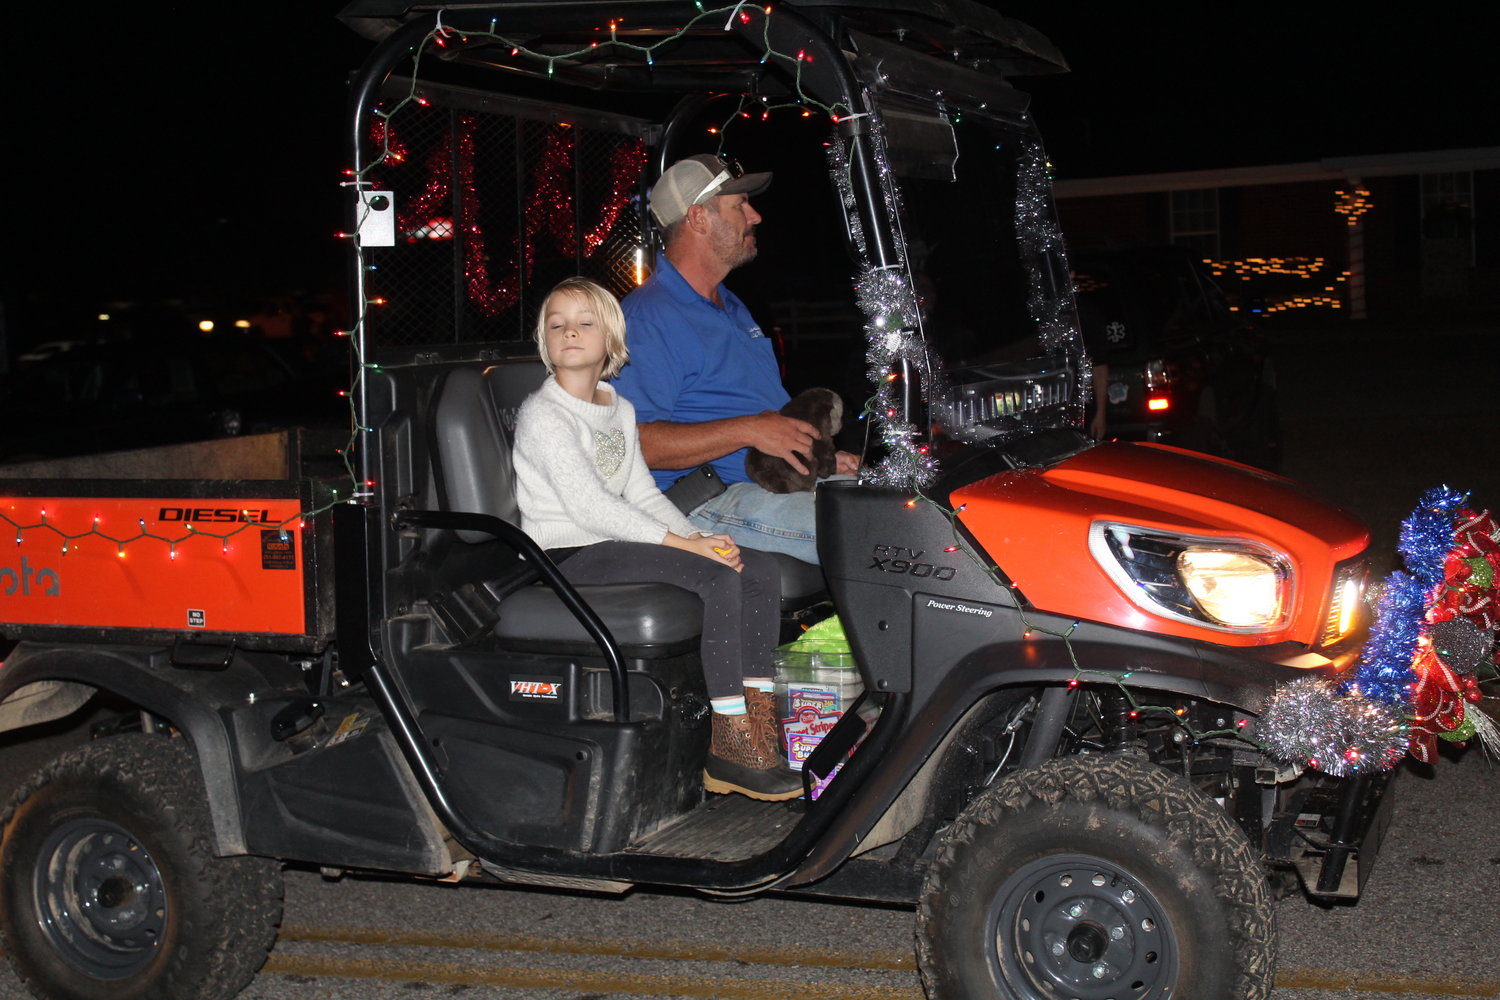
720	548
724	548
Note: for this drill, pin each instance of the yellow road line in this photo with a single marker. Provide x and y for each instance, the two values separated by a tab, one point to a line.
1336	980
630	984
1350	981
677	950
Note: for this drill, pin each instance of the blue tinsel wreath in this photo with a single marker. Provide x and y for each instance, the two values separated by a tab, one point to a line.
1385	671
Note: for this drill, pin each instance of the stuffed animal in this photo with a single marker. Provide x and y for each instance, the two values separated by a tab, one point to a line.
824	410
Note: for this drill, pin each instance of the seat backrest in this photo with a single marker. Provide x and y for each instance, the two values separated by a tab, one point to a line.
508	386
474	422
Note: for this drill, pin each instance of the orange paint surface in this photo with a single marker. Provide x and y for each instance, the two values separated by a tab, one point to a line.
216	565
1035	526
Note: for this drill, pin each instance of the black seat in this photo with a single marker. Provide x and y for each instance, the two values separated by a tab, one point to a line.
474	421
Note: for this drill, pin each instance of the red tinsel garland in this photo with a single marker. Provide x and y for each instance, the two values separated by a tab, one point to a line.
550	195
1468	593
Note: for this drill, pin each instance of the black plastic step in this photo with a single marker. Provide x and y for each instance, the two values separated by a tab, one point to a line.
724	828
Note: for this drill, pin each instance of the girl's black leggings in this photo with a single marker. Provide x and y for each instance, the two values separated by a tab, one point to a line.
741	611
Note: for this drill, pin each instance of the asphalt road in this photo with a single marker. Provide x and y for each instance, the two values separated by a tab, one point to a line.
1373	418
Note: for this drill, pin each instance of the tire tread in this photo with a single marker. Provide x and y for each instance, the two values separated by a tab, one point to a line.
241	897
1156	797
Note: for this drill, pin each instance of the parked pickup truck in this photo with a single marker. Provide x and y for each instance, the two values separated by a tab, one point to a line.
1064	646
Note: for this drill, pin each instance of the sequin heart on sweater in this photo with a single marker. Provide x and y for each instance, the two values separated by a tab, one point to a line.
609	451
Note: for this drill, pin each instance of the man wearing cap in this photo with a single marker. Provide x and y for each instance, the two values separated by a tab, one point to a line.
702	377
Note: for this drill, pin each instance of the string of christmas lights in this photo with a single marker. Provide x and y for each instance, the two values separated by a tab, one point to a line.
442	37
1175	715
70	539
492	296
763	108
1305	268
1352	203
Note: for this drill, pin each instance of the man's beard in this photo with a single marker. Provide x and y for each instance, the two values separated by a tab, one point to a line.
733	250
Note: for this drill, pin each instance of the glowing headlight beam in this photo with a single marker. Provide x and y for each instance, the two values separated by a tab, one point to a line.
1235	588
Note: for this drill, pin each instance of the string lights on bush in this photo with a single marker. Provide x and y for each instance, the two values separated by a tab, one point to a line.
1352	204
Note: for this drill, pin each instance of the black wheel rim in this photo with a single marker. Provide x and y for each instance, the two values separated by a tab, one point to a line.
100	900
1075	927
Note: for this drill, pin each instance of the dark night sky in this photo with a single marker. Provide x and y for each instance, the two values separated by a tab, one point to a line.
193	148
171	148
1164	87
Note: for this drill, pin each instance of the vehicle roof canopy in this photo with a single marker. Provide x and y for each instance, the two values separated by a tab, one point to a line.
702	55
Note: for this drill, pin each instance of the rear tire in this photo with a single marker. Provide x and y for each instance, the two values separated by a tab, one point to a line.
1095	878
109	887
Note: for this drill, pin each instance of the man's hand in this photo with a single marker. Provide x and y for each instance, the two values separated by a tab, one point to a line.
847	463
784	437
667	445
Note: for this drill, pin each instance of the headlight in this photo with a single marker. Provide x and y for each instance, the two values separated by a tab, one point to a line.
1234	588
1233	585
1346	600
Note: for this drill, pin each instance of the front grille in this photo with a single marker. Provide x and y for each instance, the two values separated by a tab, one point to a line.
1010	402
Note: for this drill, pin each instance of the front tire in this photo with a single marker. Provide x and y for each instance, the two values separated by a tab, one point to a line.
109	887
1095	878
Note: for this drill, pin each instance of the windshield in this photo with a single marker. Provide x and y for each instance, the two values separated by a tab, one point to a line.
974	256
986	258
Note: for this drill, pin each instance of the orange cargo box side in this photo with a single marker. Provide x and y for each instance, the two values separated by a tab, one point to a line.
220	564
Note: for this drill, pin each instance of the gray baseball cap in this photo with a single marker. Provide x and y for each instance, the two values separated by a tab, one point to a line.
696	179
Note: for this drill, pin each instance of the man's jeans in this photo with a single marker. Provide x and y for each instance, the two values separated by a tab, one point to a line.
757	519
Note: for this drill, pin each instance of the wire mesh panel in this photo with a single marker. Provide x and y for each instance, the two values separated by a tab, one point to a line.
492	210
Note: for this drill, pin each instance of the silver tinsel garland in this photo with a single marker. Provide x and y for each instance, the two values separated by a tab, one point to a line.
1056	315
893	334
893	328
894	344
1309	721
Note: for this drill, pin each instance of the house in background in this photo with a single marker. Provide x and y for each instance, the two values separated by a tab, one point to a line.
1385	237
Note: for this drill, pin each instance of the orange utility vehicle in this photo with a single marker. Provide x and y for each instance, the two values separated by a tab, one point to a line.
1064	646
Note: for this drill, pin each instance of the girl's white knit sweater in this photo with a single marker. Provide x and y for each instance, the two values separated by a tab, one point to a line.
580	477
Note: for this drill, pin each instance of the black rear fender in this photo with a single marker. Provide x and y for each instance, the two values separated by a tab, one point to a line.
45	682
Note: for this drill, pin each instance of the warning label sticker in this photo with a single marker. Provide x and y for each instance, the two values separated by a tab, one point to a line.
278	550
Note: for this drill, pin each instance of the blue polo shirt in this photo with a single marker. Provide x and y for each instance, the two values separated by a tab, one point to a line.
692	361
